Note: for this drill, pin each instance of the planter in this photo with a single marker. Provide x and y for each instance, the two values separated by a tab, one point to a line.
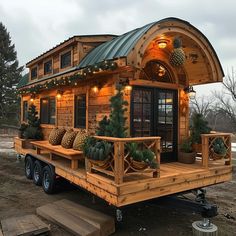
104	164
216	156
138	165
197	147
24	143
187	158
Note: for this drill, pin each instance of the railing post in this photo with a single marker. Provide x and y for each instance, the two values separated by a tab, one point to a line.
205	151
119	162
157	151
229	144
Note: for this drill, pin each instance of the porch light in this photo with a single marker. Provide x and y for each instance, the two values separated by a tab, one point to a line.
162	43
95	89
191	92
59	94
32	97
128	88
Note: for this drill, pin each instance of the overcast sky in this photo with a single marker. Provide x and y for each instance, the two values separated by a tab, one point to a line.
37	25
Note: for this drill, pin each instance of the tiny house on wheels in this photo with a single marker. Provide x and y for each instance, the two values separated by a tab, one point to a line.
148	75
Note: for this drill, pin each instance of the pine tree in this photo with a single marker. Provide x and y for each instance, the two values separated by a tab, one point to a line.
116	126
33	130
9	75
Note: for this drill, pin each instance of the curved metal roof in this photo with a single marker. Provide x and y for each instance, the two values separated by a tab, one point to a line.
123	44
117	47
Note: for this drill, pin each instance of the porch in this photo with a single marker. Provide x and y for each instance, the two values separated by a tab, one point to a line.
119	184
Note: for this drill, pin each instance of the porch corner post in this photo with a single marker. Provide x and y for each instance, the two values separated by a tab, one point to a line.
205	151
157	151
119	162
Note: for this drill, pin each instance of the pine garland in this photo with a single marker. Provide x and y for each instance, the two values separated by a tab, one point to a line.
70	80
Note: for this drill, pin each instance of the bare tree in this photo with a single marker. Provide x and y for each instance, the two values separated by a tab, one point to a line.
202	105
226	99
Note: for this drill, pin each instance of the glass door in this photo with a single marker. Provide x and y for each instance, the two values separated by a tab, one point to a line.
166	122
154	112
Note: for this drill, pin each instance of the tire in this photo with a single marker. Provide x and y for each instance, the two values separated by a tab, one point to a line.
29	165
37	173
48	180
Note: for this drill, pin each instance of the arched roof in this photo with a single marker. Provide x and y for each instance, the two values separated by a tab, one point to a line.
132	45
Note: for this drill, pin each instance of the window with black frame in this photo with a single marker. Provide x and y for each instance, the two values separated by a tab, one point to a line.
25	111
65	59
48	67
34	73
80	111
48	110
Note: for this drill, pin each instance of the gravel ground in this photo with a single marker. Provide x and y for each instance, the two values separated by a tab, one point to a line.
19	196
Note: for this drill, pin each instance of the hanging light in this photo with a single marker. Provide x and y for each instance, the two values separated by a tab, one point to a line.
191	92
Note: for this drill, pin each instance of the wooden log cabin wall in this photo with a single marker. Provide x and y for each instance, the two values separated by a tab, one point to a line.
141	63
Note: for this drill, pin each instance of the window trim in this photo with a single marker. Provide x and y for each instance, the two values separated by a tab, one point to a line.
37	69
44	62
24	113
71	58
86	111
49	112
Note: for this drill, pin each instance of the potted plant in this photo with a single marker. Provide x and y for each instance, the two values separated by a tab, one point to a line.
219	149
199	126
141	159
186	153
97	151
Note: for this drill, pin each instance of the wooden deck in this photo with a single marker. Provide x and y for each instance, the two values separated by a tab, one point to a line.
174	177
120	185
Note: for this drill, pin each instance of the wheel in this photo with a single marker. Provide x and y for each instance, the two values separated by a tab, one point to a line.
37	173
29	165
48	180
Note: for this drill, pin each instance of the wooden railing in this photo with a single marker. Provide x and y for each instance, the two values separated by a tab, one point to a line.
208	153
119	163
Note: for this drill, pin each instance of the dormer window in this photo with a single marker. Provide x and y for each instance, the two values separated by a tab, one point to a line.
34	72
48	67
65	59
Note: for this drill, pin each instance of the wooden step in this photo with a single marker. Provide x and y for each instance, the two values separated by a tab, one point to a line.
103	222
24	226
71	223
77	219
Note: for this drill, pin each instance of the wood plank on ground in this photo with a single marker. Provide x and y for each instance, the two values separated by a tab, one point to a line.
104	222
71	223
24	226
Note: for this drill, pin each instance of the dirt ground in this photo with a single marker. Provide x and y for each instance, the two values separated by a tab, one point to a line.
19	196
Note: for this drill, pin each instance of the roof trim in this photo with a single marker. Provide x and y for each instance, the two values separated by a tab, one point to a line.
73	38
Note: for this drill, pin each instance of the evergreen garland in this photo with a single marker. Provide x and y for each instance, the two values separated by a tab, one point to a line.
70	80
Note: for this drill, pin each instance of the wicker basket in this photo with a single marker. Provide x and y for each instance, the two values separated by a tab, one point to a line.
138	165
216	156
104	164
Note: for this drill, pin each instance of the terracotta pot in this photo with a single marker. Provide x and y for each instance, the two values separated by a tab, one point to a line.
197	147
187	158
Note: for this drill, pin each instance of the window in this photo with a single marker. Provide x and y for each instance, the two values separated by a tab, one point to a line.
80	111
47	110
66	60
25	111
48	67
34	73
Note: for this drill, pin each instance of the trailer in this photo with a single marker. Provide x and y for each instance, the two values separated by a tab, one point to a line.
71	85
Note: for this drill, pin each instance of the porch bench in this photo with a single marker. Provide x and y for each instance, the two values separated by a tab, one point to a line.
58	150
